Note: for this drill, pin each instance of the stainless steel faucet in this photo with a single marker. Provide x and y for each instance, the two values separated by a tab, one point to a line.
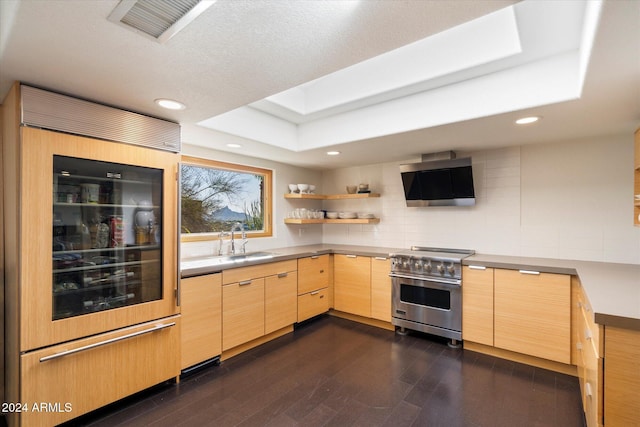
238	226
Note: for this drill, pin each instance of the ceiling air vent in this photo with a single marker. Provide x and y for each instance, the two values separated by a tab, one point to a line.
159	19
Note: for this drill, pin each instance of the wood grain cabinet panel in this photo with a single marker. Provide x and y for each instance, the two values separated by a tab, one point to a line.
477	304
92	377
242	312
533	314
312	304
621	377
201	334
352	284
313	273
281	299
381	289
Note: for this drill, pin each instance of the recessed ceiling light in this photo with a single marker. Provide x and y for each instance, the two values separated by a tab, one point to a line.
333	153
527	120
234	145
170	104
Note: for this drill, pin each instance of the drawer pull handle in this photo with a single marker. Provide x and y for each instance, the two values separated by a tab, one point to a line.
105	342
315	292
587	389
380	258
351	256
315	256
477	267
281	275
534	273
244	283
587	334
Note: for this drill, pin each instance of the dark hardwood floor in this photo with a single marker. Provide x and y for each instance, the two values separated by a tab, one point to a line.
333	372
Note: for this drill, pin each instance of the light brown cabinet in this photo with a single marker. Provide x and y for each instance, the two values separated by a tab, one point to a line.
477	307
104	368
352	284
313	286
201	307
381	288
588	342
532	313
621	377
242	312
281	299
255	295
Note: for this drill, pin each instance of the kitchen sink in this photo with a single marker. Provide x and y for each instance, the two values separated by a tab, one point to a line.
225	260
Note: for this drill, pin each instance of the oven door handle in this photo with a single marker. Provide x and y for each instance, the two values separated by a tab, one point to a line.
451	282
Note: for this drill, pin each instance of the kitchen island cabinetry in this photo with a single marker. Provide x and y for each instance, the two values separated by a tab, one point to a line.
381	289
201	309
477	307
532	313
352	284
621	377
588	342
313	286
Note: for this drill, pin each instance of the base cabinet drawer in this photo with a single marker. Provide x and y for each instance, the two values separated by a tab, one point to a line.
312	303
77	377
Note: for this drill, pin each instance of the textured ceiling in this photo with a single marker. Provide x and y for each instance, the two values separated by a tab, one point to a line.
238	52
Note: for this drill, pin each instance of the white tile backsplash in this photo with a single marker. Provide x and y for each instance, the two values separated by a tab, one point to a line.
564	200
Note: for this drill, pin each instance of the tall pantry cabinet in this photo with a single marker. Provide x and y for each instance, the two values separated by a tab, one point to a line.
90	257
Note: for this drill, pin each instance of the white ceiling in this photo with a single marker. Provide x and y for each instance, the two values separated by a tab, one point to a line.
239	52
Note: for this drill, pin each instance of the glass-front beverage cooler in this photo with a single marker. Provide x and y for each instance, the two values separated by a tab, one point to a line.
107	236
100	240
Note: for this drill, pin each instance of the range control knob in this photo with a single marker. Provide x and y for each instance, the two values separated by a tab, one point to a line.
418	264
427	267
451	269
441	268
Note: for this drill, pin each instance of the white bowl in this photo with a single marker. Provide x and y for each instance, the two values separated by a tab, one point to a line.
312	188
332	215
303	188
293	187
347	215
365	215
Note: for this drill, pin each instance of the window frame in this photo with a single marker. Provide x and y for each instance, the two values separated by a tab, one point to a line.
233	167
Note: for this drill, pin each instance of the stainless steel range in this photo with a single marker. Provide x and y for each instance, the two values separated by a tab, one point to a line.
426	291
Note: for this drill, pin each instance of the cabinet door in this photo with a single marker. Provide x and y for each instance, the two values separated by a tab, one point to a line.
621	377
313	273
533	313
98	370
242	312
477	304
352	284
201	334
381	289
88	265
281	301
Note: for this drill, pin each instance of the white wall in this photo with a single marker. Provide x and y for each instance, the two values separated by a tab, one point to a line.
570	200
283	235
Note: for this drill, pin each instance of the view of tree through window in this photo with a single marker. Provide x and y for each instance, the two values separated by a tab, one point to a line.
216	195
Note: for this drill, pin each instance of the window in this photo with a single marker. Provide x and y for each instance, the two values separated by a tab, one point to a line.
216	195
